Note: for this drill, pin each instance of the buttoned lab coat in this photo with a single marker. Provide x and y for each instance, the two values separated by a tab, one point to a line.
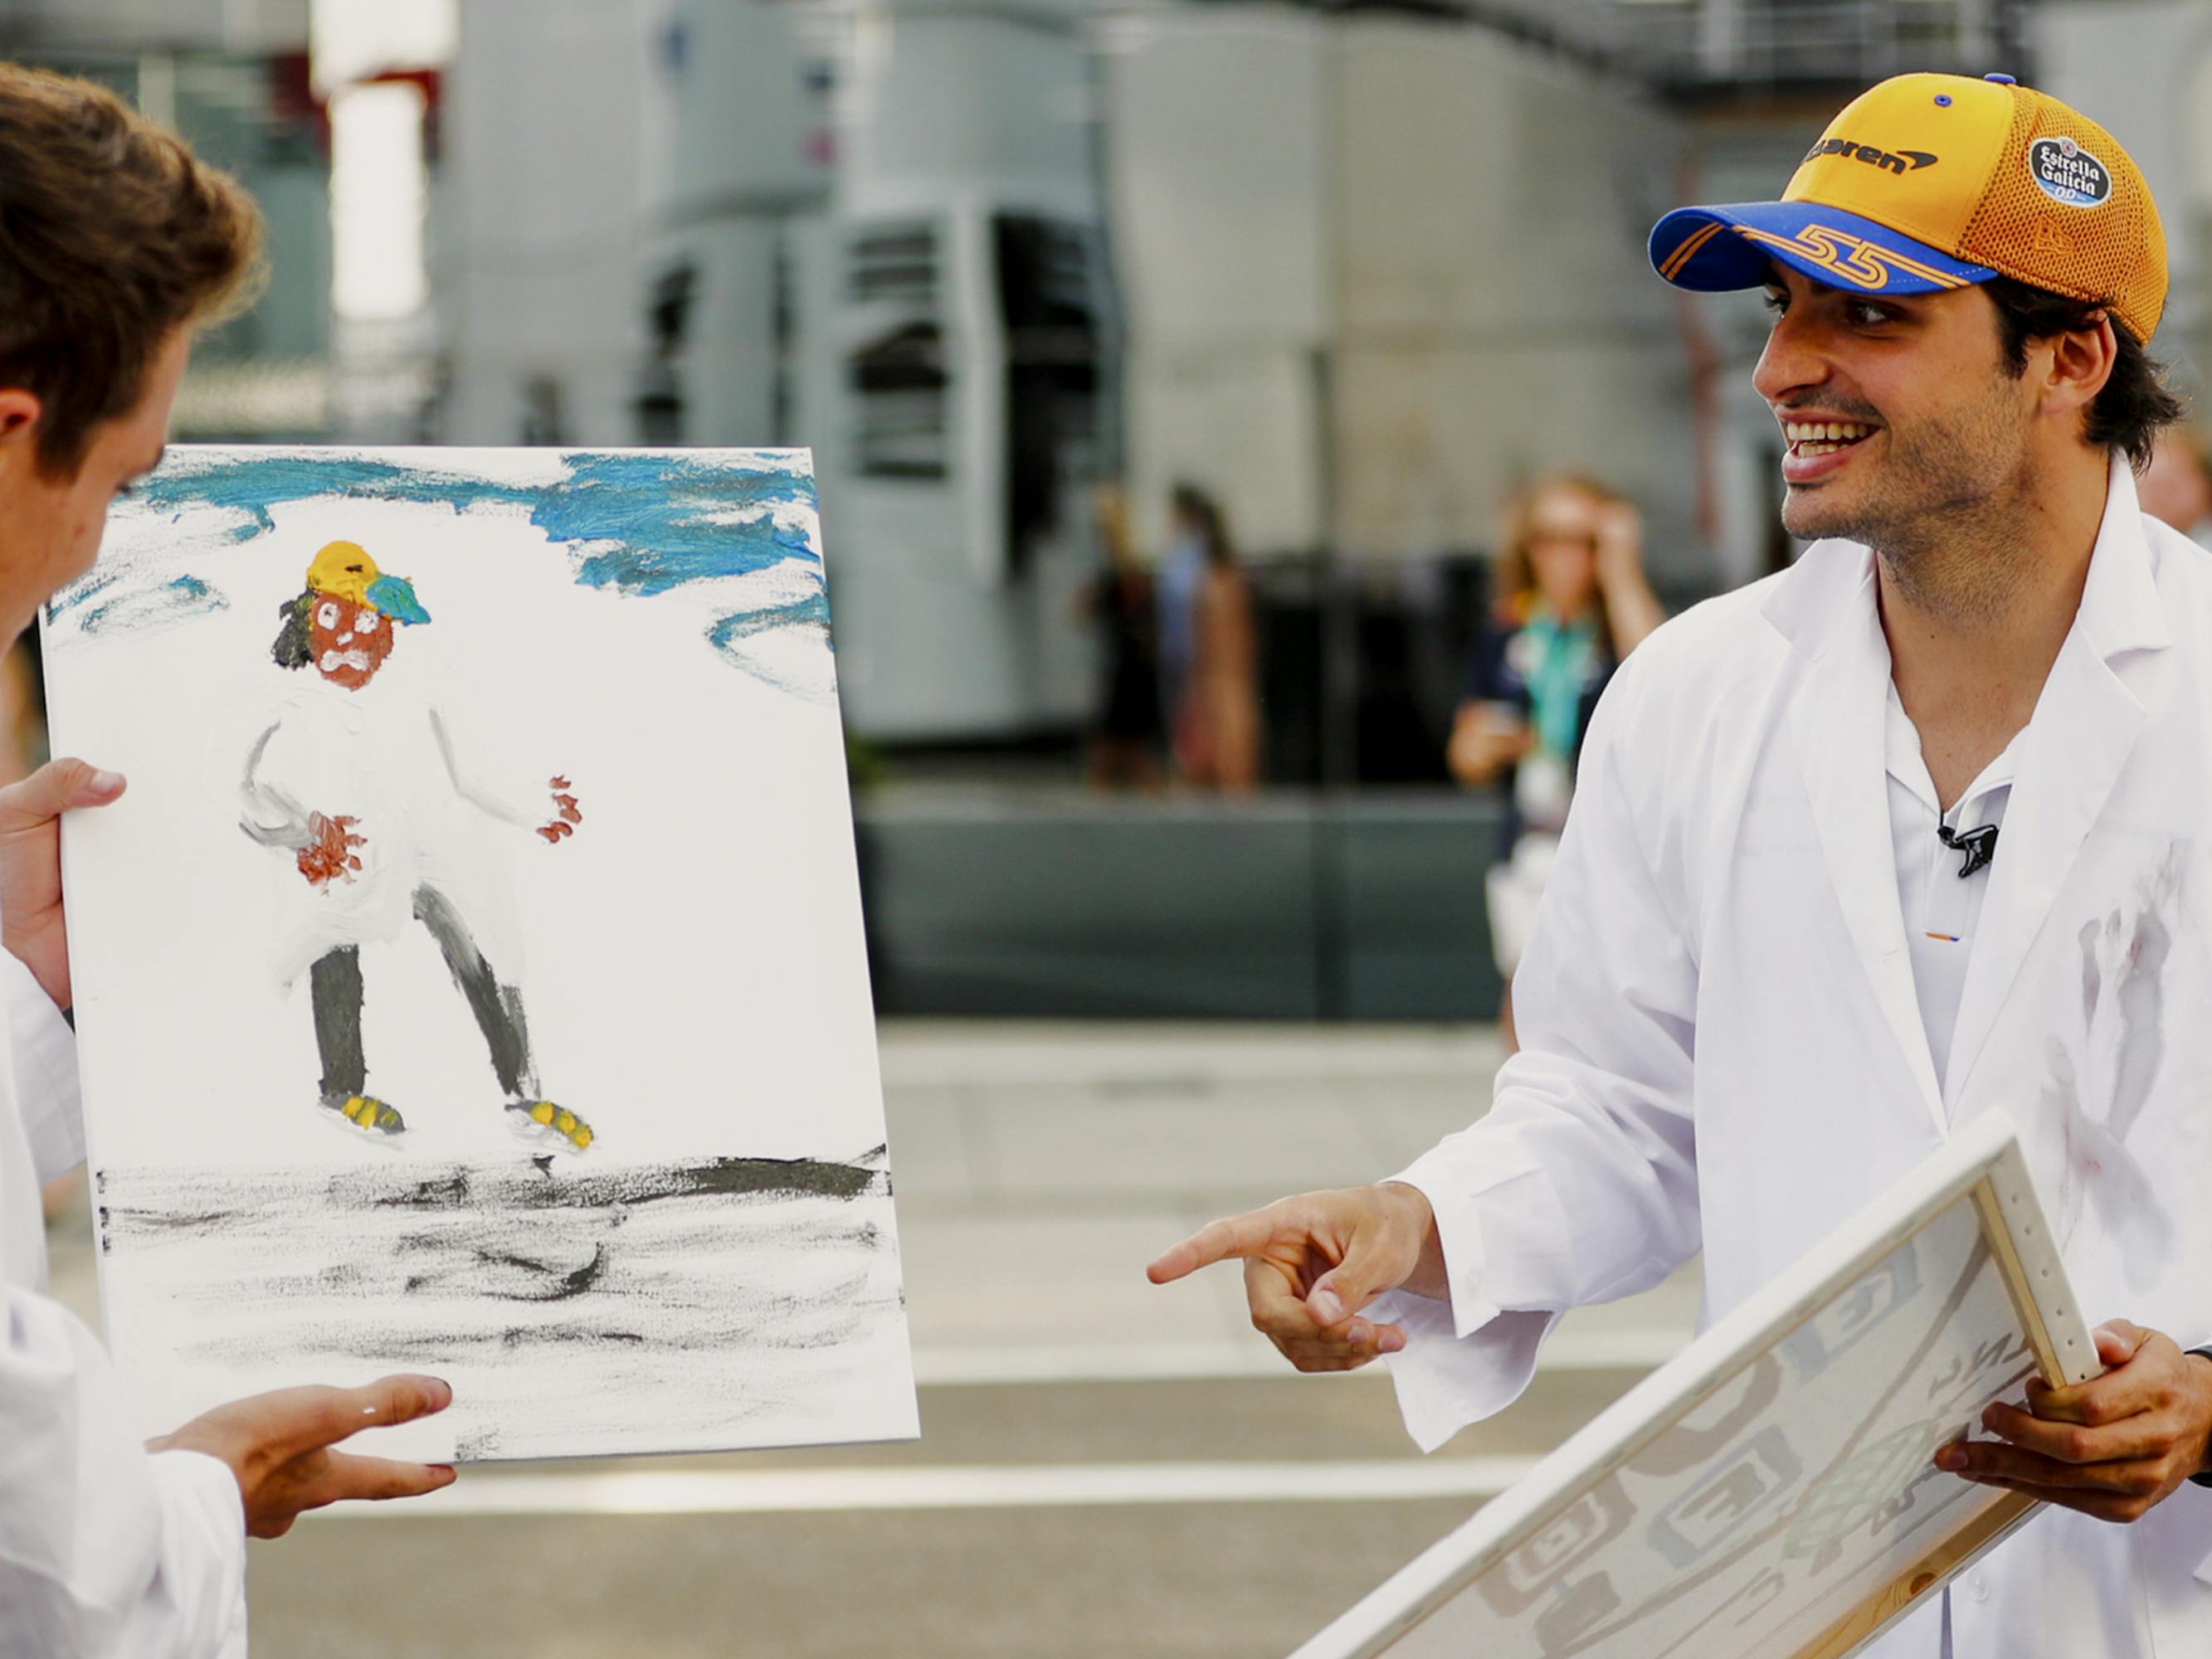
103	1551
1725	1049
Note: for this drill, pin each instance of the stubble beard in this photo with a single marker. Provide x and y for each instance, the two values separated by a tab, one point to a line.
1942	513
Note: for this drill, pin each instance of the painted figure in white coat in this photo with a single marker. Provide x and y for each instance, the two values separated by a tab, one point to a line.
364	785
117	246
1912	832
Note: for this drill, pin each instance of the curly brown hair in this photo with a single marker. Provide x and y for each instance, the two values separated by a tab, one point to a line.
112	236
2134	406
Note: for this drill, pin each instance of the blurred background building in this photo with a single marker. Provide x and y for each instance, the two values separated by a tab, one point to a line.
1355	271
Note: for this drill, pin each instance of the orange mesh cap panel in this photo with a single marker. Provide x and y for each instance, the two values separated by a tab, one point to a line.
1915	153
1931	181
2108	246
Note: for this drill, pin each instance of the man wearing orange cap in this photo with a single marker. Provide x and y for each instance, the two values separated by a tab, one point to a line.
1909	833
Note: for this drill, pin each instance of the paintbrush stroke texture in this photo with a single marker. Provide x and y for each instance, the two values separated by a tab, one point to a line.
221	1199
634	522
714	1302
145	609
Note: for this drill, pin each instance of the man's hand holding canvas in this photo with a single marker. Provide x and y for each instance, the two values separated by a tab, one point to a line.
2115	1448
279	1446
31	865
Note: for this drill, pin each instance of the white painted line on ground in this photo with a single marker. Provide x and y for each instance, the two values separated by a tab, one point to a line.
1568	1351
715	1492
1010	1053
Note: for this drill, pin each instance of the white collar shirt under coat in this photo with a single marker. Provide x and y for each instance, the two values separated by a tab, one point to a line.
1724	1048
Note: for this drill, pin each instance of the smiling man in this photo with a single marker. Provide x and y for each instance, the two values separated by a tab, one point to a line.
1912	832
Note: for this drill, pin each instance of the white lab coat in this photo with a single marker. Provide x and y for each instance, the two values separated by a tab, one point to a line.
1723	1048
103	1551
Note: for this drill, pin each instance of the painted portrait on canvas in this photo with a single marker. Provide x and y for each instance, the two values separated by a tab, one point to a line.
471	978
337	741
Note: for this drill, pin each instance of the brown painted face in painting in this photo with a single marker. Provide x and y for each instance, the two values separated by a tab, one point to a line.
351	640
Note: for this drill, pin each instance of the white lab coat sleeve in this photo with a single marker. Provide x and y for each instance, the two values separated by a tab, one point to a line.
44	1050
1581	1184
200	1604
104	1550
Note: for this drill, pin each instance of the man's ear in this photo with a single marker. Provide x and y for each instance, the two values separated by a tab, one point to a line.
2081	361
19	418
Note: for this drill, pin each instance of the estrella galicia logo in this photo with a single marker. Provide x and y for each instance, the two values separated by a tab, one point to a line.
1904	160
2066	172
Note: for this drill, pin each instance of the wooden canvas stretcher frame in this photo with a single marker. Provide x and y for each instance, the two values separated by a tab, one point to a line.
1982	1167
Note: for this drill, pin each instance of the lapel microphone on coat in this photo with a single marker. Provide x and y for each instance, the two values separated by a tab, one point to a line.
1980	846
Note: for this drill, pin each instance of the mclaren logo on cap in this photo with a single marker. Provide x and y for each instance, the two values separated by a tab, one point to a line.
1904	160
2066	172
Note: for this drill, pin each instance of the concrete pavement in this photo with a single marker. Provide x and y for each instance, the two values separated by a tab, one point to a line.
1106	1467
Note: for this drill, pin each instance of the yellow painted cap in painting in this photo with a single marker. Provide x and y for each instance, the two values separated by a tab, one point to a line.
1928	182
343	570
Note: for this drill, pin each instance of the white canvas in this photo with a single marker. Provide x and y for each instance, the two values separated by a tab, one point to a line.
1769	1492
719	1267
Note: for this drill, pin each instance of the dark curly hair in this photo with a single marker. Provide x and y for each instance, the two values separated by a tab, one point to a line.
2135	404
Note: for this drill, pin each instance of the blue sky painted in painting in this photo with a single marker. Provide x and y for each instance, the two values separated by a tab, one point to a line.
642	522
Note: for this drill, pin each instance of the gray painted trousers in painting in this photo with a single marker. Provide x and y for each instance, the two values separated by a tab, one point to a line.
334	989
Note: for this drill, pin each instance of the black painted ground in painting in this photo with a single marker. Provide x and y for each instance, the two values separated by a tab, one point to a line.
683	1306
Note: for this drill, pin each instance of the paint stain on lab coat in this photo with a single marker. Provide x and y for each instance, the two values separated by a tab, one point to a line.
2125	957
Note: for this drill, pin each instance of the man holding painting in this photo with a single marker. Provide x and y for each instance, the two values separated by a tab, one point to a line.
117	246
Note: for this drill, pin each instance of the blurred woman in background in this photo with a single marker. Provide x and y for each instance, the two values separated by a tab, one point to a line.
1217	715
1572	601
1125	744
2176	488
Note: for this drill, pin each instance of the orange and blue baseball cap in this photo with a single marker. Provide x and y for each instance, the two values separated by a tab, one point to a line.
1928	182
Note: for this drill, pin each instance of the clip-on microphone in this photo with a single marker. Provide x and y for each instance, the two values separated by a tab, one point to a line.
1980	846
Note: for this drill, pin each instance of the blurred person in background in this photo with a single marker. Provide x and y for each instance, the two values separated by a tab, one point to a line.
1125	746
1175	587
1217	715
2176	488
116	247
1572	602
22	714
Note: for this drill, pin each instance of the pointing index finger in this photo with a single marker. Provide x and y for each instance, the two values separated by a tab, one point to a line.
1218	1241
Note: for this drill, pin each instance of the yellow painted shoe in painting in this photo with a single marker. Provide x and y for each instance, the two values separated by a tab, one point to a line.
367	1112
552	1119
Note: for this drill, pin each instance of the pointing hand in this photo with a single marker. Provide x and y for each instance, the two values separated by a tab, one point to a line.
1313	1262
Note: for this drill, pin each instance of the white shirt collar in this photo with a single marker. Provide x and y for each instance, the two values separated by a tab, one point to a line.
1822	599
